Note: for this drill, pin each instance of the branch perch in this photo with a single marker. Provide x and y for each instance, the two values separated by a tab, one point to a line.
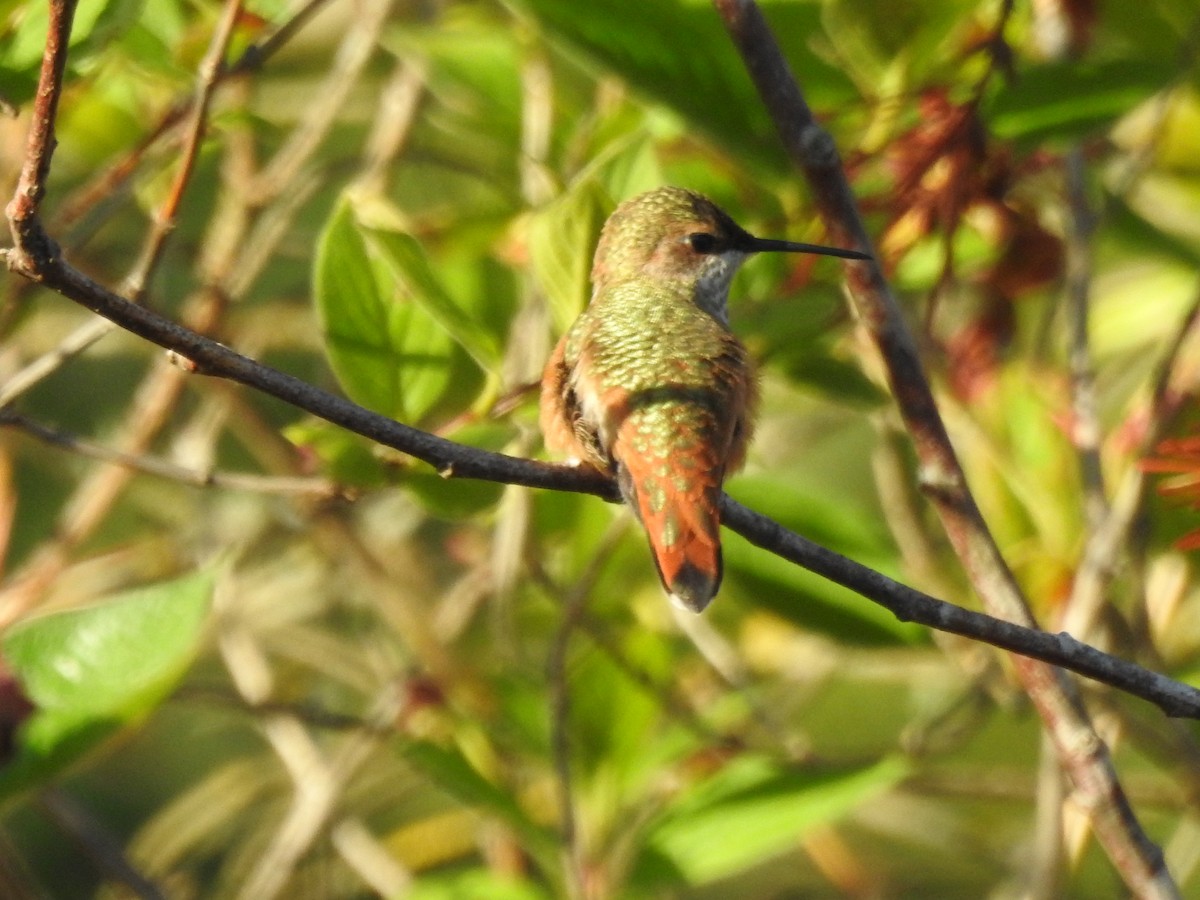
1082	753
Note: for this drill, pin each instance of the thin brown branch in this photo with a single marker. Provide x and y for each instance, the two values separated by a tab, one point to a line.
1139	861
1102	552
100	844
353	53
574	609
197	124
453	459
1085	423
25	206
236	481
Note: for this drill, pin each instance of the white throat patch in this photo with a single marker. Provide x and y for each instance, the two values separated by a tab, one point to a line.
712	287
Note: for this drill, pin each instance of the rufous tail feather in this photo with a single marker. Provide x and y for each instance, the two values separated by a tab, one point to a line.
683	527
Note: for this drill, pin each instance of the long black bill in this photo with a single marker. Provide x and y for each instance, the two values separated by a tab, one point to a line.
764	245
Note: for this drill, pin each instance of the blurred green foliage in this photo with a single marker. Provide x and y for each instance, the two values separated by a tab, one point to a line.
391	689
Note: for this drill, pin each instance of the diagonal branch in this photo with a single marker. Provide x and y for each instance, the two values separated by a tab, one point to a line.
1080	749
452	459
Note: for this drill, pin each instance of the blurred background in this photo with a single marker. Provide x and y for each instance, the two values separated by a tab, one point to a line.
268	659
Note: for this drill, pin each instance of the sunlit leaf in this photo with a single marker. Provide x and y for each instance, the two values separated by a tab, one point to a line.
392	336
416	276
92	671
679	54
562	238
1069	99
476	883
753	810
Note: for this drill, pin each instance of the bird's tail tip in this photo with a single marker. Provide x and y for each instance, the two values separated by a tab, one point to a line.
692	588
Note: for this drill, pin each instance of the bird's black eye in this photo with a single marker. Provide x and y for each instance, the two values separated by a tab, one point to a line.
702	242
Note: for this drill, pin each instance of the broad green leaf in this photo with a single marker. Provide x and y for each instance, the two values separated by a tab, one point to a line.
392	338
92	671
562	238
562	235
1071	99
754	810
680	55
413	271
475	883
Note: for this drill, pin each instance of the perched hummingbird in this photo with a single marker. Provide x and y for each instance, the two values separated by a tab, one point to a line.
651	386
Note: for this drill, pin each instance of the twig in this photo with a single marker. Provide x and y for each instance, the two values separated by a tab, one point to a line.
1102	551
453	459
28	235
99	844
237	481
398	106
811	148
574	864
47	364
352	55
197	124
1085	424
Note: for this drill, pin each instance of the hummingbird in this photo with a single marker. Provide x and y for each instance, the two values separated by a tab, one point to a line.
652	387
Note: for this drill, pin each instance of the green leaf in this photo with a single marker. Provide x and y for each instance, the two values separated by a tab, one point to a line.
92	671
475	883
562	237
753	810
392	335
1072	99
412	269
679	54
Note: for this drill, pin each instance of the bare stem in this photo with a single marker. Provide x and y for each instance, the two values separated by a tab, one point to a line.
237	481
164	223
1081	751
1085	425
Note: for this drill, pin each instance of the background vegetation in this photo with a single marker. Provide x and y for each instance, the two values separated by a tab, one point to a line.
287	663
